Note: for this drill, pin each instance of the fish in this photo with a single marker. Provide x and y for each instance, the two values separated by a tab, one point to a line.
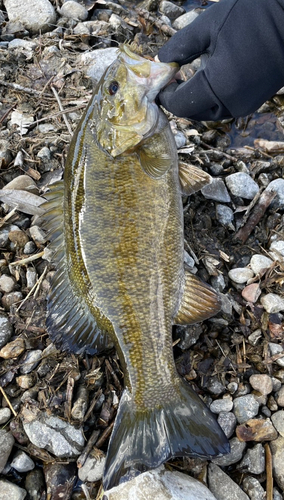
116	229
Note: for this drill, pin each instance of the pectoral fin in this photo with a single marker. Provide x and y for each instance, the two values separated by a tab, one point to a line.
155	157
192	178
199	302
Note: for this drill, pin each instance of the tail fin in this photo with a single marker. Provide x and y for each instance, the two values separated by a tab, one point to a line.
144	439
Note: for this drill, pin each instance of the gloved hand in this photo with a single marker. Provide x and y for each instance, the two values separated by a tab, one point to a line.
244	41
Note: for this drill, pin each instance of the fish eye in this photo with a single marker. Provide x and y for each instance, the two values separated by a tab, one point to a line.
113	87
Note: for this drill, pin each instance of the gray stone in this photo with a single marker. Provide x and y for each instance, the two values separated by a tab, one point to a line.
254	337
260	263
44	153
278	186
262	383
277	450
185	19
222	405
4	237
215	386
254	460
22	462
272	303
25	47
6	329
180	139
11	298
241	184
240	274
280	397
95	63
227	422
277	349
55	435
93	468
29	248
245	407
31	276
235	455
7	283
278	421
74	10
253	488
10	491
35	15
277	495
216	190
171	10
225	216
160	484
222	486
5	414
6	445
38	235
31	361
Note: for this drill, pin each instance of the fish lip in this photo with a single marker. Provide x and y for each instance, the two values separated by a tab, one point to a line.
161	75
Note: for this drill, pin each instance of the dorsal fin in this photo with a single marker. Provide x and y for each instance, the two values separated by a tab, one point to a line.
69	322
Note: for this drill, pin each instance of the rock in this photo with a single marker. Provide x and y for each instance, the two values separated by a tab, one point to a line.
222	486
254	460
227	422
277	450
29	248
6	445
262	383
225	216
161	484
235	455
24	182
38	235
34	484
242	185
5	414
215	386
10	491
22	462
253	488
95	63
188	335
4	237
272	303
240	274
256	430
180	139
278	186
222	405
7	283
5	153
216	190
171	10
26	381
185	19
280	397
6	329
277	349
254	337
54	435
44	153
278	421
31	276
10	299
251	292
60	479
19	237
13	349
22	120
74	10
31	361
35	15
25	47
93	468
260	263
245	408
277	250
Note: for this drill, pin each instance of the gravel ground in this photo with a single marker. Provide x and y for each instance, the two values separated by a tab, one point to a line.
57	410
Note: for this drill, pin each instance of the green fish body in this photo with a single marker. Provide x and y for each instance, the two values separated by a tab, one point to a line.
120	267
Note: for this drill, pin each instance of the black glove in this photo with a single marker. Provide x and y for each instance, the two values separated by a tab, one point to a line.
244	42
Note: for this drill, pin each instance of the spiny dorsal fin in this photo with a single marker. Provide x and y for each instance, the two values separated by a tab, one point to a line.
192	178
199	302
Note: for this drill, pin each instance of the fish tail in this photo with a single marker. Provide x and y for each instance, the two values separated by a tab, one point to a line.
144	439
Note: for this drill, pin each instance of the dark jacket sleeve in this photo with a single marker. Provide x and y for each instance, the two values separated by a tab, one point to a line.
244	42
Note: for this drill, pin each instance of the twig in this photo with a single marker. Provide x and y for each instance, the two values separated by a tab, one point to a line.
28	259
92	405
62	109
105	435
256	214
159	24
230	157
8	216
20	88
113	374
92	441
3	117
35	287
269	476
9	404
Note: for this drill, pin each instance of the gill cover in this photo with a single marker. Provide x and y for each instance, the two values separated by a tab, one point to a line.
127	113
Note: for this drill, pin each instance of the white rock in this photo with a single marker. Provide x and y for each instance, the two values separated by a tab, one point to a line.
10	491
272	303
92	469
22	462
95	63
185	19
5	414
259	263
276	349
160	484
277	250
38	235
171	10
241	184
223	486
278	186
22	120
35	15
7	283
74	10
240	274
25	47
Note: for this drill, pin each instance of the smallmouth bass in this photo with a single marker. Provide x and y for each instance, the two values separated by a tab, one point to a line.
117	228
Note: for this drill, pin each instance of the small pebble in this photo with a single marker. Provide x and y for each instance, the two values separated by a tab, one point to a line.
256	430
278	421
31	276
262	383
93	468
60	479
6	329
19	238
227	422
6	445
278	186
235	455
216	191
74	10
245	408
280	397
277	450
242	185
38	235
22	462
180	139
35	15
254	337
171	10
253	488
276	250
277	349
225	216
7	283
272	303
10	299
13	349
251	292
29	248
35	485
5	414
215	386
31	361
254	460
26	381
184	20
223	486
240	274
10	491
260	263
219	405
24	182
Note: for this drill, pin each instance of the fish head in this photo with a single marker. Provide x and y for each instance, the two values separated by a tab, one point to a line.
127	112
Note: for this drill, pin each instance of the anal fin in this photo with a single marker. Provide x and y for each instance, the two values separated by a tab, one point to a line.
192	178
199	302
